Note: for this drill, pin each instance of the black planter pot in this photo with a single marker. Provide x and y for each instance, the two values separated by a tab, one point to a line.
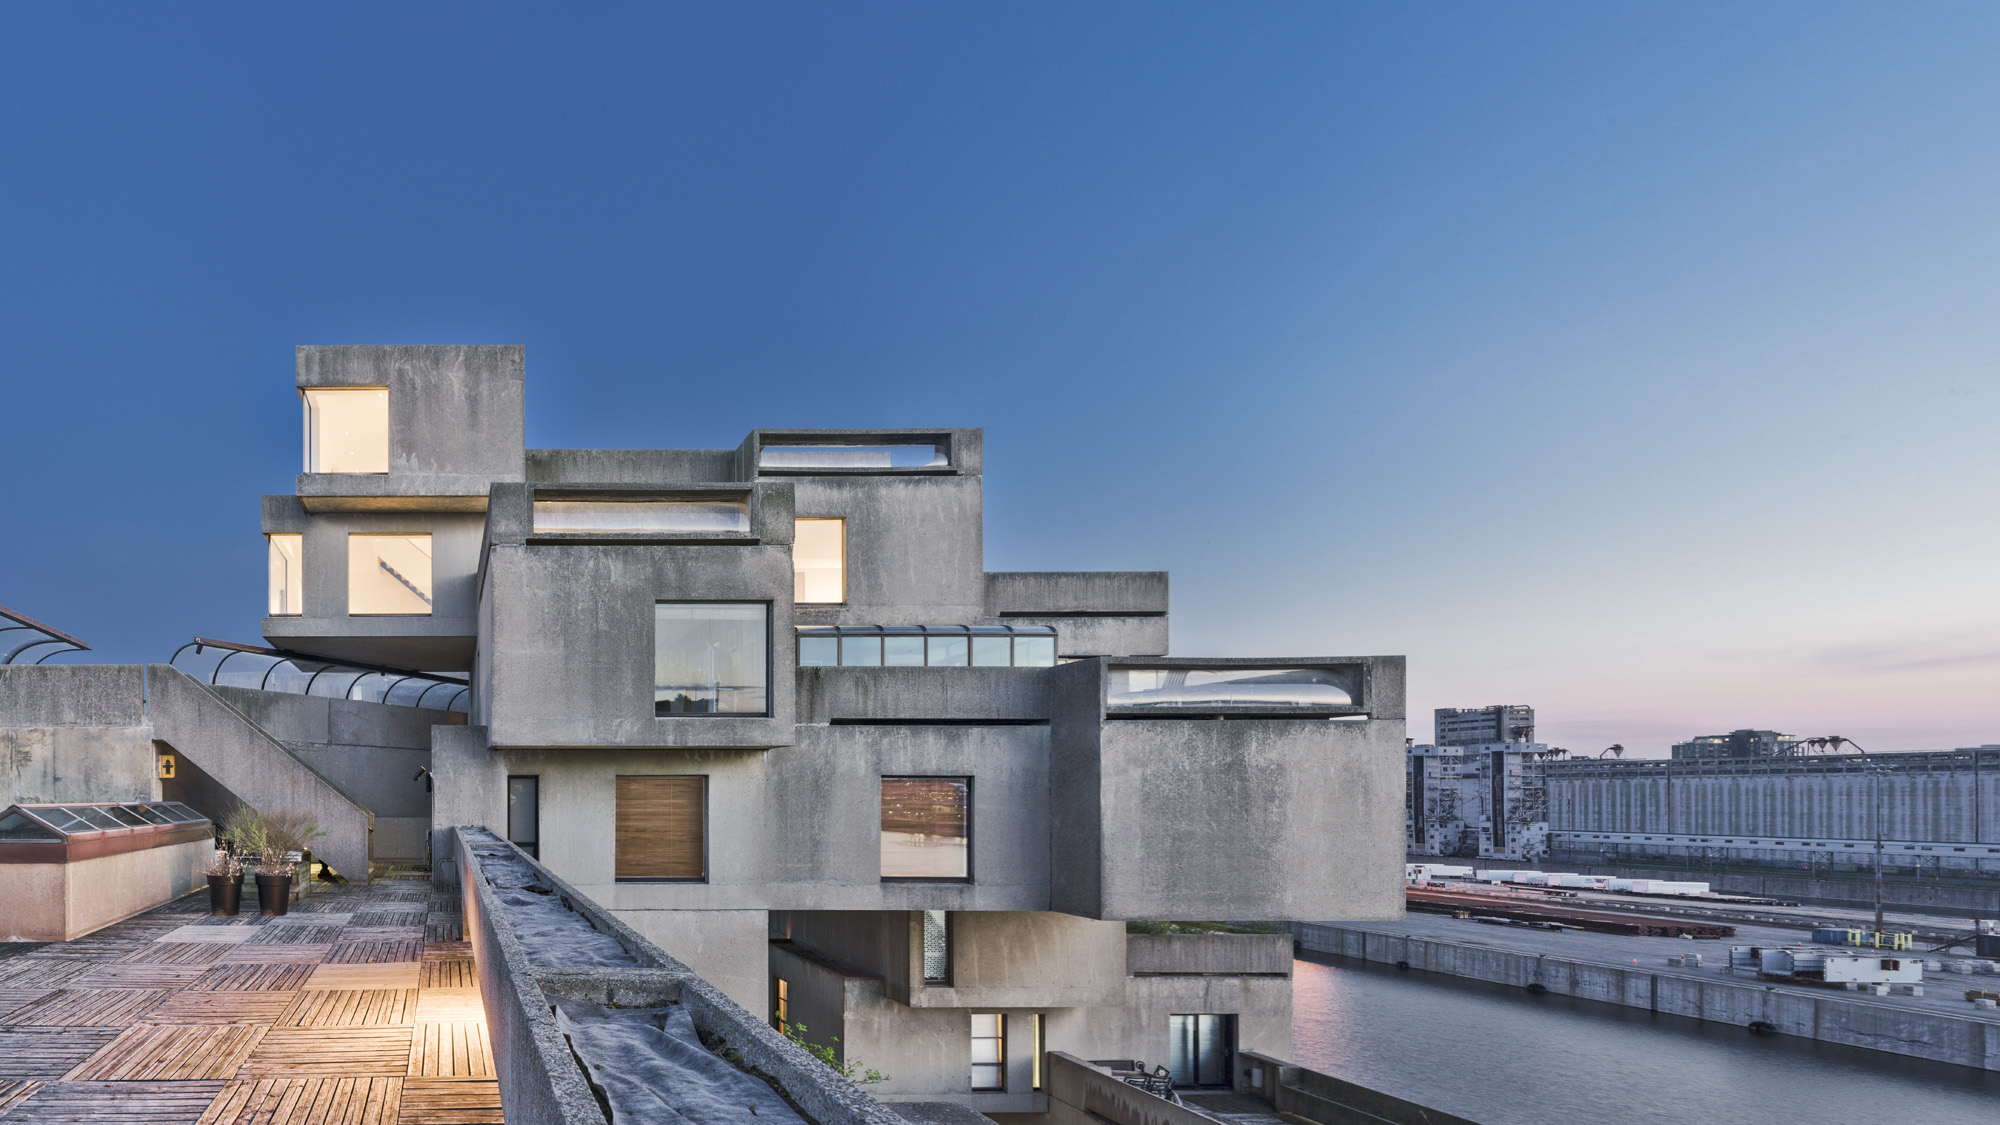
274	894
225	894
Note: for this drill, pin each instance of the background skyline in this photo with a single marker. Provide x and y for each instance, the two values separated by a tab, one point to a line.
1633	363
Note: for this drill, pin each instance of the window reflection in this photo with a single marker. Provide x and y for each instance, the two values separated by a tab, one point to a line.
710	658
1228	687
388	574
935	646
926	827
600	517
925	456
347	429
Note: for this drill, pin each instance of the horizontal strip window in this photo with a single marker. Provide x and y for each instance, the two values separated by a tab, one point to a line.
928	646
641	517
876	458
1230	688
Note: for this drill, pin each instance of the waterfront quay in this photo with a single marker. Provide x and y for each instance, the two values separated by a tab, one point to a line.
1939	1025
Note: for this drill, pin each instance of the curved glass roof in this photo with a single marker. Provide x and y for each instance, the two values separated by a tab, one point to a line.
228	664
21	634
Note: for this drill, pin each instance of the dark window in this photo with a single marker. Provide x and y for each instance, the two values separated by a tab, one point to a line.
524	814
1201	1049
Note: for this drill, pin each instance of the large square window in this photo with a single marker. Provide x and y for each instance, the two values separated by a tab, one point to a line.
347	429
819	561
287	575
926	828
388	574
711	658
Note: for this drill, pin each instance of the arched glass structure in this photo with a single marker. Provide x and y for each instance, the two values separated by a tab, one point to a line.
228	664
24	640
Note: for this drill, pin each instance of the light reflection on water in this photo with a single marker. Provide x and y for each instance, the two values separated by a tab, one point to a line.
1502	1056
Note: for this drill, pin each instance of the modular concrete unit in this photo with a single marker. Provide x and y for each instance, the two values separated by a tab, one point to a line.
560	583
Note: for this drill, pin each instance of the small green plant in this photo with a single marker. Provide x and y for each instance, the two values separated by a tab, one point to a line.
854	1071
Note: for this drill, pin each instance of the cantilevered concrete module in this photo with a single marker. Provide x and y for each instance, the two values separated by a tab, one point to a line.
766	707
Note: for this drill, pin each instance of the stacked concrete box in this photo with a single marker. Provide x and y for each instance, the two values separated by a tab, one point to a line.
1079	816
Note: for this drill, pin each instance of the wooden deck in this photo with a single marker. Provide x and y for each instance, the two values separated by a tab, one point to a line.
340	1014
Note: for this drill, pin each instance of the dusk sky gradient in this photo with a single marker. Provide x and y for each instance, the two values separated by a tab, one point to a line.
1634	361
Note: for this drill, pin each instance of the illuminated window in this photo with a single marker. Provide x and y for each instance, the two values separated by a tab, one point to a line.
1041	1047
711	658
347	429
989	1051
784	1012
287	575
926	827
819	561
388	574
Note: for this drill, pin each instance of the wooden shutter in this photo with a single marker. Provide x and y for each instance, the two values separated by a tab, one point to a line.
662	825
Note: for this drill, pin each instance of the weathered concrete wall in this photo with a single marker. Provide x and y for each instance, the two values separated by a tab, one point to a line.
457	416
1828	1017
533	1061
955	694
1193	818
471	790
439	641
1208	954
257	768
75	732
1095	613
915	552
631	466
572	641
999	959
728	948
1331	1101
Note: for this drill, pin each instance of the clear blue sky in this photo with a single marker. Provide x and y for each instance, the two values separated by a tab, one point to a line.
1636	361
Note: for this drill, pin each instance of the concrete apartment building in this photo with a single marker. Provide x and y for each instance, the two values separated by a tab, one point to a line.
1477	790
766	705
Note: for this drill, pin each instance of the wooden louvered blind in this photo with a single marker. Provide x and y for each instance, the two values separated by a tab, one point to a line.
661	822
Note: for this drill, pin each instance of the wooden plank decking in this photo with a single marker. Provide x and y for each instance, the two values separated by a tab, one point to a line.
340	1014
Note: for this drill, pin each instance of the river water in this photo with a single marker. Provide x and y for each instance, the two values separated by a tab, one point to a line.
1502	1056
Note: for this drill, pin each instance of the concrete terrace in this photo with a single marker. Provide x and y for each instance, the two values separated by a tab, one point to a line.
359	1008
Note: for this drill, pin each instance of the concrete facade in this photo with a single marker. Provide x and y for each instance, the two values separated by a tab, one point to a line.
1086	805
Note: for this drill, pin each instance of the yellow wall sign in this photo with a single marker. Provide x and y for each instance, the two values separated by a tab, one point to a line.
166	766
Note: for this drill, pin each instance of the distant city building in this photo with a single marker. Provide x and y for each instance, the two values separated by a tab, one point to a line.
1485	801
1737	744
1478	726
1940	811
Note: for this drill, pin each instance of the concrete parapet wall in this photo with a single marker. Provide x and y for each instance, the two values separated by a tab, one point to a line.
922	693
1332	1101
1208	954
1828	1018
1083	1094
1062	592
541	1081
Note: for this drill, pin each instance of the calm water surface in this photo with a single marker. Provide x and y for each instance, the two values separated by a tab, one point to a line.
1502	1056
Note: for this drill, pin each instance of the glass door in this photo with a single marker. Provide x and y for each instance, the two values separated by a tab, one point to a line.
524	813
1201	1049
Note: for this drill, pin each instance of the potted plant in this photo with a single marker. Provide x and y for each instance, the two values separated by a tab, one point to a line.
225	883
274	883
284	838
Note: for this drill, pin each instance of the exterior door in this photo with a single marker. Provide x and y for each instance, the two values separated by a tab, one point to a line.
1201	1049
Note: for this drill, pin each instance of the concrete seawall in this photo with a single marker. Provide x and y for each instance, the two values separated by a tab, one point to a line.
1828	1017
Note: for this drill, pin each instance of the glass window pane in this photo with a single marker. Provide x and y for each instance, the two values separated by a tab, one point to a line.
985	1050
347	429
948	652
903	652
598	517
1034	652
851	457
1228	687
710	658
389	574
146	814
524	813
96	818
937	948
988	1077
861	652
125	816
819	652
819	561
992	652
925	827
14	826
287	575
